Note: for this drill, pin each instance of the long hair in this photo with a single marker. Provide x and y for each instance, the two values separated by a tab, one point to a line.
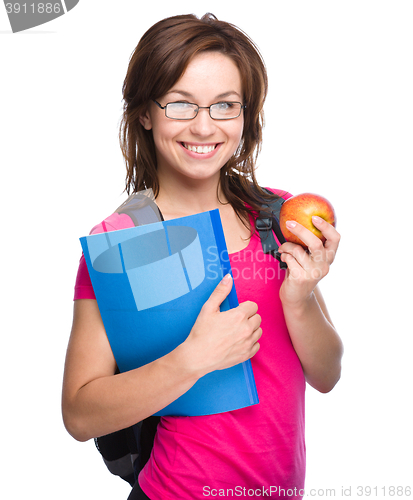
157	63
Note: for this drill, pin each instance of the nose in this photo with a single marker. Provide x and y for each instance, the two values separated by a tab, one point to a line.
203	125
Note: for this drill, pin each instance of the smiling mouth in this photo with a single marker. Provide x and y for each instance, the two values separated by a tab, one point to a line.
199	149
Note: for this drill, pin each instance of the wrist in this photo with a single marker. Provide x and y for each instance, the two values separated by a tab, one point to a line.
184	360
299	306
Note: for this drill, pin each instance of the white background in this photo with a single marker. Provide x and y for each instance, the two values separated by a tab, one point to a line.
339	122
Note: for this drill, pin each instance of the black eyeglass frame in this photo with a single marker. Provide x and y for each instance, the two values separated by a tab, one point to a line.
242	106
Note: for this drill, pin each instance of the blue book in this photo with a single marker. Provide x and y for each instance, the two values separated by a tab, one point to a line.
151	282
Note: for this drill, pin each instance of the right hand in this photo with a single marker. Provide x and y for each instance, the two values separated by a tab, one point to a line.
220	340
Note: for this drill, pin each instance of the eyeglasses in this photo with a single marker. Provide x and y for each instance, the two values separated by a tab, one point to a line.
225	110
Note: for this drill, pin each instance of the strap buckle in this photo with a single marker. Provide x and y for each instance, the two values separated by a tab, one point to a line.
263	224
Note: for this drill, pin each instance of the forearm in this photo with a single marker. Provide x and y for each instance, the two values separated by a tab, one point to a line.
316	343
110	403
96	402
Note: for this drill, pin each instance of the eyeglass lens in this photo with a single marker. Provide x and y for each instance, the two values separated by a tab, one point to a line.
218	111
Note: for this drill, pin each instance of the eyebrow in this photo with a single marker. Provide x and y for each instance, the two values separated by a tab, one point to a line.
190	96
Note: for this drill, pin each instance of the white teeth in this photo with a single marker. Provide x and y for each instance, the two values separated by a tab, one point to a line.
199	149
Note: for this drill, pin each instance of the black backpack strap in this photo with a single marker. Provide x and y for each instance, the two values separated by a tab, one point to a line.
147	437
119	452
268	226
126	452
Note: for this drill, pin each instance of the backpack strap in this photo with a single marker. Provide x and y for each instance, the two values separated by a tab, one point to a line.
268	226
119	452
141	207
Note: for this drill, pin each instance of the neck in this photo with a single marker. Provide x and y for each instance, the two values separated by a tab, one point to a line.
178	199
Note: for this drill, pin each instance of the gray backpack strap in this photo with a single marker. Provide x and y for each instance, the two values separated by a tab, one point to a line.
141	208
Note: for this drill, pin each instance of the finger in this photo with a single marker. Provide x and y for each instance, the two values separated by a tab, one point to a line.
254	341
250	308
328	230
254	350
311	240
320	251
255	322
297	252
314	262
219	294
295	269
258	334
331	235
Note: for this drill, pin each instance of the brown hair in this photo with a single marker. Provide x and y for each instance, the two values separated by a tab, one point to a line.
156	64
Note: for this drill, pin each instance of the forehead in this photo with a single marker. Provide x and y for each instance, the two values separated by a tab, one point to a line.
208	75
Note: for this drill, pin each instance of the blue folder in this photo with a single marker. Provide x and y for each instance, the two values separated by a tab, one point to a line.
151	282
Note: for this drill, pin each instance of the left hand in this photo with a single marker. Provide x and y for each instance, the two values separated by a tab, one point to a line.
307	268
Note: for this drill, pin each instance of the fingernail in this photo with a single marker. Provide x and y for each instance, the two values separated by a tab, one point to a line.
227	279
316	219
290	224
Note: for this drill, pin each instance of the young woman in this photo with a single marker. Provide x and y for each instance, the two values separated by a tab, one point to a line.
191	129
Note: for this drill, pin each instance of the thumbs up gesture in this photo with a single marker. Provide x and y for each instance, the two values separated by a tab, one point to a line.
220	340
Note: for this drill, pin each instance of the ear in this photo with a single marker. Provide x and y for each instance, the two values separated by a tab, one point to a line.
145	121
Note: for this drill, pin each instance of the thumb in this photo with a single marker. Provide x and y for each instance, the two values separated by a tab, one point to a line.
219	294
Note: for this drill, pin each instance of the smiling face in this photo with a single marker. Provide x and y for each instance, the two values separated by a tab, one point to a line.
197	149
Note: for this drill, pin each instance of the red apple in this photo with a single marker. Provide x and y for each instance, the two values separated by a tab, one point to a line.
301	208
